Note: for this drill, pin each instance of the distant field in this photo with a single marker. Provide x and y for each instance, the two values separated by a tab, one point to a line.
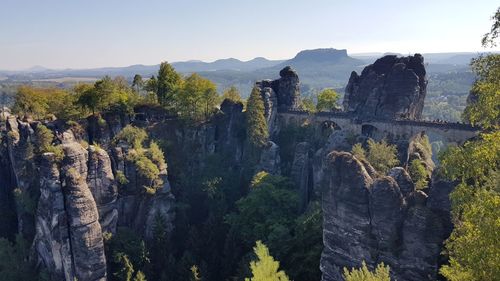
67	79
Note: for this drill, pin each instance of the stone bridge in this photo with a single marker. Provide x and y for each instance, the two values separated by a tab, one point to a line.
447	132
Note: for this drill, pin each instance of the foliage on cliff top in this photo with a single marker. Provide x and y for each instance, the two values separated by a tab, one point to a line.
133	136
381	155
327	100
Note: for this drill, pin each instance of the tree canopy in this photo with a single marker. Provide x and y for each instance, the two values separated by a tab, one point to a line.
257	130
265	268
327	100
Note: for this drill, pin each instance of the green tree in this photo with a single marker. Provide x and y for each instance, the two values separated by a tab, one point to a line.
14	260
418	174
267	213
133	136
168	83
381	273
151	85
327	100
195	273
358	151
232	94
490	37
30	101
198	98
43	102
257	130
382	156
138	82
474	245
107	95
265	268
126	253
483	107
126	269
139	276
308	105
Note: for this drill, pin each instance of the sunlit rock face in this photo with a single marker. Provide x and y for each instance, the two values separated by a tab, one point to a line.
376	219
392	87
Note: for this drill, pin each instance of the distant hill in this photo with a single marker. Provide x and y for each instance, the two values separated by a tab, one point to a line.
317	69
225	64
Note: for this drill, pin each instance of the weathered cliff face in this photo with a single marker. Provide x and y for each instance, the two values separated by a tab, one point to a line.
280	93
77	197
379	219
68	241
390	88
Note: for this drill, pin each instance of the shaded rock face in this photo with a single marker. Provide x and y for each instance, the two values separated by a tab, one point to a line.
270	159
101	182
301	172
379	219
230	130
390	88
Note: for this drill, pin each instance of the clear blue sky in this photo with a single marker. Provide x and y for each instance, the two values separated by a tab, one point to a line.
96	33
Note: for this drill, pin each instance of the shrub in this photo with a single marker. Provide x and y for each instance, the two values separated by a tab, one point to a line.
146	167
58	152
265	267
418	174
358	151
132	135
121	178
382	156
44	137
156	155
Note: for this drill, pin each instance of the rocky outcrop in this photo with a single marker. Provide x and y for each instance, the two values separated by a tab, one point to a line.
285	89
270	158
392	87
301	172
76	197
52	241
378	219
100	180
69	241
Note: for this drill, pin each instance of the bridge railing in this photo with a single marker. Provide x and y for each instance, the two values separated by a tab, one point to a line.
350	115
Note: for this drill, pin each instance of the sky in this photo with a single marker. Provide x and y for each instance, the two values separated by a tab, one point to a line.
97	33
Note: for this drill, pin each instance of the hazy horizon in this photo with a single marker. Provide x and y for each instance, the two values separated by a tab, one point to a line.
58	34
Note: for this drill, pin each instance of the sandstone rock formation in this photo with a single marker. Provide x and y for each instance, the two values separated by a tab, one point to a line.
301	172
378	219
270	159
390	88
280	93
77	197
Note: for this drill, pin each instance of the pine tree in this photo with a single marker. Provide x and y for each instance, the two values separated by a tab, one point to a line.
265	268
126	268
138	82
257	129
